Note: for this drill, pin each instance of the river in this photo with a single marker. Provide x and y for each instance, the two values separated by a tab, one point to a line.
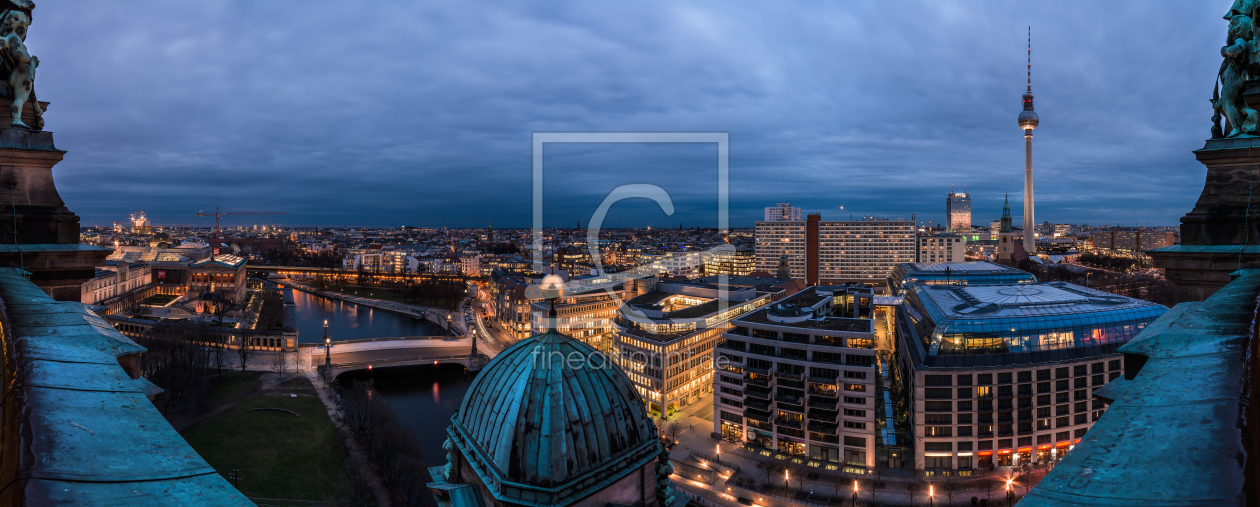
424	397
349	321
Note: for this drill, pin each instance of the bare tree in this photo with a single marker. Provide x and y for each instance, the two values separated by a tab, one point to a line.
837	482
219	354
221	300
244	351
280	362
176	360
771	470
799	479
915	488
951	487
672	430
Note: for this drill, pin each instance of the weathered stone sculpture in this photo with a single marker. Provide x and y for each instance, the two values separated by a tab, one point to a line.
1234	74
664	486
17	65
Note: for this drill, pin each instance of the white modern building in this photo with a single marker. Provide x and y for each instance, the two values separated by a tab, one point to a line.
941	248
782	211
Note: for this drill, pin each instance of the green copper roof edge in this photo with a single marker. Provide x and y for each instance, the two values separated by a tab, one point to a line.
74	448
467	446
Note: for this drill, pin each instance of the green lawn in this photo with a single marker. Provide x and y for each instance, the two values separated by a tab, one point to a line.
159	300
278	455
232	383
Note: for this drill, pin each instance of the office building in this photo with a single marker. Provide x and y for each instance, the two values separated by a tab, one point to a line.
587	316
834	252
798	378
1131	239
664	339
1004	374
782	211
958	212
954	273
941	248
729	260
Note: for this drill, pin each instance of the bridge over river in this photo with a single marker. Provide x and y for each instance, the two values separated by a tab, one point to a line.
350	355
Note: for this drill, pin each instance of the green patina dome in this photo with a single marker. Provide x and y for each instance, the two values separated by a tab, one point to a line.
553	413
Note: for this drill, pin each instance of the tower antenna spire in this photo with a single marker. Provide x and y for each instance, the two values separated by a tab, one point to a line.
1029	58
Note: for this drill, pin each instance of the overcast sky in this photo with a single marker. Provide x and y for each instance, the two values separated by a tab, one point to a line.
387	113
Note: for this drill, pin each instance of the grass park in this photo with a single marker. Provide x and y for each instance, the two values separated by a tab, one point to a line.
278	455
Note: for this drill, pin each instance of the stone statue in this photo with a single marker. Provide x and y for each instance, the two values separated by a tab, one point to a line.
1234	74
17	65
449	469
664	486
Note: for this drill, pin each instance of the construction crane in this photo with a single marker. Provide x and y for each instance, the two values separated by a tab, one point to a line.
217	213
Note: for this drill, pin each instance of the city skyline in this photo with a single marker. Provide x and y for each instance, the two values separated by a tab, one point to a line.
451	92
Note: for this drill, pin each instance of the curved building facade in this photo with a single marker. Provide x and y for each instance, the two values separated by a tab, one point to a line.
994	375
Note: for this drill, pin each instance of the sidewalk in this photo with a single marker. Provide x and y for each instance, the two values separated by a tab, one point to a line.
830	487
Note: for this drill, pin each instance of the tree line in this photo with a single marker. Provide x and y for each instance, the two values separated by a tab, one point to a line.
389	446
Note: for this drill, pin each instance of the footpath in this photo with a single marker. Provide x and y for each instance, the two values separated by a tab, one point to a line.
717	473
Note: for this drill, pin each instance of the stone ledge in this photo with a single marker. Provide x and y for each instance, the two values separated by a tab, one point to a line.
79	429
1172	437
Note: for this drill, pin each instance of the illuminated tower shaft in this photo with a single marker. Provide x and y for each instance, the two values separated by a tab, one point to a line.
1028	121
1030	245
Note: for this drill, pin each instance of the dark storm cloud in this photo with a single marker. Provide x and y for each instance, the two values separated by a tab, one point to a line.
389	113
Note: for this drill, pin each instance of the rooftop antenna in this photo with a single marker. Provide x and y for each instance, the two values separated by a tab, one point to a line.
1029	58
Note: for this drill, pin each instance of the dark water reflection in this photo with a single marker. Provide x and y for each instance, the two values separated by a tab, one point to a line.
349	321
424	397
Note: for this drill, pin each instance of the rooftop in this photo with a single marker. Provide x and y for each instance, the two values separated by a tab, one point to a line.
1022	301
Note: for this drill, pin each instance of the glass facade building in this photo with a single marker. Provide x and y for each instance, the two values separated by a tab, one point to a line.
997	375
957	273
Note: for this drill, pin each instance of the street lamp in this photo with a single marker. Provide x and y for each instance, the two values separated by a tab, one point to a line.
327	347
855	492
719	452
931	494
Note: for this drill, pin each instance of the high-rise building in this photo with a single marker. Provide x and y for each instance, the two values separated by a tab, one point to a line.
1028	121
782	211
941	248
799	378
833	252
1002	375
958	212
1129	239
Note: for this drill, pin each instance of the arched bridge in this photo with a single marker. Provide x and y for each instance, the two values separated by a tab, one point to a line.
350	355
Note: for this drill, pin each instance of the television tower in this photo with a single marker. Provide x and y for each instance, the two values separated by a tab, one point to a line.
1028	121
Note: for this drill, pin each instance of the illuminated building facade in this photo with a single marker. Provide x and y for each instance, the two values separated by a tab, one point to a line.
798	378
834	252
585	317
1003	374
958	212
664	339
782	211
729	261
941	248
